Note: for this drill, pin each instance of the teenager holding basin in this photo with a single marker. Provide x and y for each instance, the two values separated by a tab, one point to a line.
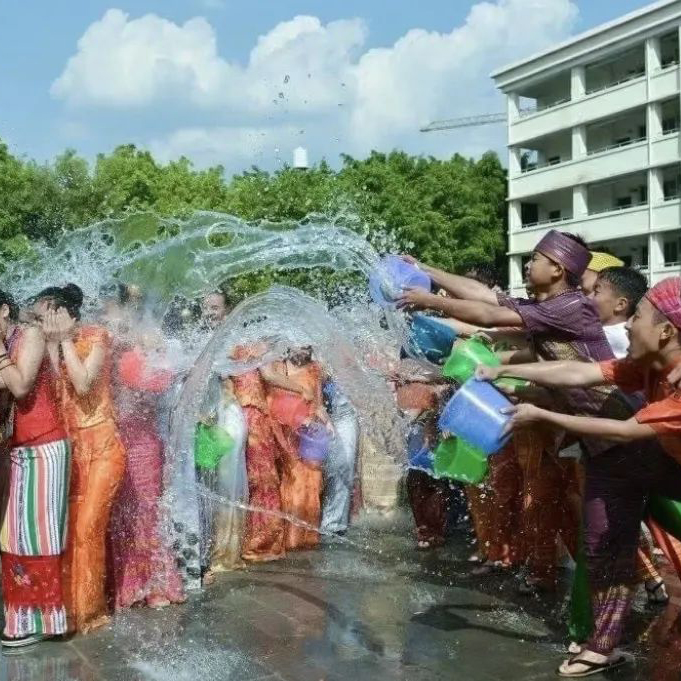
561	323
646	460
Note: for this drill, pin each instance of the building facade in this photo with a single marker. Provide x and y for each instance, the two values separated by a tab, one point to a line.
594	142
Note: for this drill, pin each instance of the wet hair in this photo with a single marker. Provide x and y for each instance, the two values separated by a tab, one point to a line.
70	297
6	299
485	273
626	282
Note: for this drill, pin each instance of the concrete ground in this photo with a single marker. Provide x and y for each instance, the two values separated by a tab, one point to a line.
371	609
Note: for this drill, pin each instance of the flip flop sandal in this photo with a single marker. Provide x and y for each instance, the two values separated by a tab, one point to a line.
657	597
591	667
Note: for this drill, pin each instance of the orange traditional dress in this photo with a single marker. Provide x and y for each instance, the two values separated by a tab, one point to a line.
264	533
301	481
97	470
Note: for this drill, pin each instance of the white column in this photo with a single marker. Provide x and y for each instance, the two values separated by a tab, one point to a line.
655	255
653	60
514	218
655	187
654	120
514	160
577	82
513	105
515	272
580	203
578	141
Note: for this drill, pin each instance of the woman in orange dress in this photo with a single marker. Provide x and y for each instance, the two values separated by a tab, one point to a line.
264	534
295	398
82	357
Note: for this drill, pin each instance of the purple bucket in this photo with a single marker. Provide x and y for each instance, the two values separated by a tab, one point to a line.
392	276
315	442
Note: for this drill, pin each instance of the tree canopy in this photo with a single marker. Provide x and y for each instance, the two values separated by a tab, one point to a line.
450	213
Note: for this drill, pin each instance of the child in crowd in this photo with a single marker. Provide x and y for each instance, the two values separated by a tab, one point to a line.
647	460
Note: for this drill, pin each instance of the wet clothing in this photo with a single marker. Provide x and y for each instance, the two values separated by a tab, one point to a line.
98	464
34	523
264	532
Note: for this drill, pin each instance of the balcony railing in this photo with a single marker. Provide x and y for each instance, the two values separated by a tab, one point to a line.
617	209
630	76
550	221
610	147
528	111
538	166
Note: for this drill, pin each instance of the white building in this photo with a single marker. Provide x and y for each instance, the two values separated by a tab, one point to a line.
594	143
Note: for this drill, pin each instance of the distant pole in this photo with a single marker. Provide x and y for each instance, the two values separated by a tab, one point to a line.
300	161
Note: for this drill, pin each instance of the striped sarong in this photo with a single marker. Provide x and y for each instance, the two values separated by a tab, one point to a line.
33	537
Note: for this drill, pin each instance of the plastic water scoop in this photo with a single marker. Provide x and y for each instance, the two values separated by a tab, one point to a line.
465	358
457	460
474	415
211	443
430	338
392	276
315	442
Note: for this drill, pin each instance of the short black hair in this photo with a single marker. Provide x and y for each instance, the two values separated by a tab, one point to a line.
69	297
626	282
484	272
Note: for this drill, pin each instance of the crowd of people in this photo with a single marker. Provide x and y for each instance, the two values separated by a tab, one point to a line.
86	525
595	432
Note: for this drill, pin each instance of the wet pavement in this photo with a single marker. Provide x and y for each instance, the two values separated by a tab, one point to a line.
375	609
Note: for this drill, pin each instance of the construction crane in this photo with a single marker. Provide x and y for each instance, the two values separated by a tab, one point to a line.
466	122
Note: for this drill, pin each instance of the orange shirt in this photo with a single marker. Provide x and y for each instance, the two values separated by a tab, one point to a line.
84	411
663	411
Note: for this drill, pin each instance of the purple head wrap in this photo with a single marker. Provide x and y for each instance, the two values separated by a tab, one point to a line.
565	251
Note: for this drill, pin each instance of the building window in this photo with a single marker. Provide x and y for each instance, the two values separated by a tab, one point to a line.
554	215
623	202
671	253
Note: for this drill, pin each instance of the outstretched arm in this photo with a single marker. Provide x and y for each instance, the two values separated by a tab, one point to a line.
550	374
619	431
458	286
479	313
20	376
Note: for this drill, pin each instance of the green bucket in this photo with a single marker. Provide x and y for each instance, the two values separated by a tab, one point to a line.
667	514
459	461
465	358
511	382
211	443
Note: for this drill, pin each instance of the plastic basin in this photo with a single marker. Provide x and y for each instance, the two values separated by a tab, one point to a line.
459	461
474	415
465	358
315	442
430	339
211	443
392	276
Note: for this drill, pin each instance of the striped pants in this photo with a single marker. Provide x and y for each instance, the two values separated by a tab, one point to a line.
33	537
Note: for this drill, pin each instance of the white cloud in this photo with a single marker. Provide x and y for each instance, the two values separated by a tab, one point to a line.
306	74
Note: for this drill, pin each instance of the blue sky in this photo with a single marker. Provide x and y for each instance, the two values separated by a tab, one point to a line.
184	77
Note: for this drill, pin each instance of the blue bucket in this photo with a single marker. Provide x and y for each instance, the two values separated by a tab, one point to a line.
392	276
314	442
474	415
430	339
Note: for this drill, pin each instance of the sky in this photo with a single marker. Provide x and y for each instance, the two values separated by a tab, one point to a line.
242	83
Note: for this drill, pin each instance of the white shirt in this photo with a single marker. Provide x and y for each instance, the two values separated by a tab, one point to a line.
618	339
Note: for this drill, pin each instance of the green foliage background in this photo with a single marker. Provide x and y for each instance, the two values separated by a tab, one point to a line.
448	213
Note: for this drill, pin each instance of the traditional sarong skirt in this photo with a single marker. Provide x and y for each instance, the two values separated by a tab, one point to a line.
33	537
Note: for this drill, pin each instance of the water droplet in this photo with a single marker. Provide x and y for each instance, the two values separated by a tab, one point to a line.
287	78
281	95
